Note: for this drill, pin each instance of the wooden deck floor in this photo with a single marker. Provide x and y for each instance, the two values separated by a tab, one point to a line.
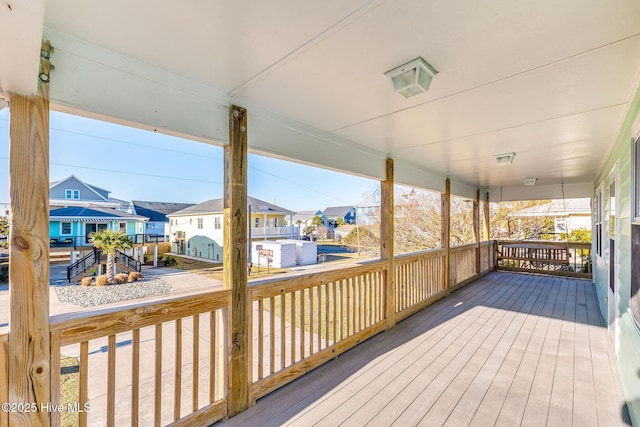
509	349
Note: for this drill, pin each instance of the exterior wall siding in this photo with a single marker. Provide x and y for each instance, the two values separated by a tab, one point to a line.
627	330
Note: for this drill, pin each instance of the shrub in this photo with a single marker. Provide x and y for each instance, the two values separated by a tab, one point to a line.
134	275
102	280
86	281
169	261
121	278
4	272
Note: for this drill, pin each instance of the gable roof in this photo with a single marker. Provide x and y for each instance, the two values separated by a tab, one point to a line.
158	211
217	206
94	189
92	213
557	207
337	211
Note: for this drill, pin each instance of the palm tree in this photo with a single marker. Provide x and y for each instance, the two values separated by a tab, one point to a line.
109	241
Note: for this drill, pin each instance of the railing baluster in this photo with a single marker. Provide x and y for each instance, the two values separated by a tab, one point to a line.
55	376
319	314
157	419
196	362
283	332
135	376
303	328
111	381
272	336
260	338
311	321
293	327
84	381
212	356
327	305
334	312
177	386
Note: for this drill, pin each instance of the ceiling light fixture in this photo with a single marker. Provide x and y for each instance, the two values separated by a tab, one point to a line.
530	182
505	159
412	78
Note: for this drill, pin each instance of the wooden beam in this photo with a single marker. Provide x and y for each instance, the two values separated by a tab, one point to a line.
386	242
29	340
486	229
445	229
476	229
235	260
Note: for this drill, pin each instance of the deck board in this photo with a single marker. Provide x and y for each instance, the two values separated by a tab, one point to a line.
509	349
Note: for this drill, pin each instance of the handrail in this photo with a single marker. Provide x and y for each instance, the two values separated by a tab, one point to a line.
83	264
127	261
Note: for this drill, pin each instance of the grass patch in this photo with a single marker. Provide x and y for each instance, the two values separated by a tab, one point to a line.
69	389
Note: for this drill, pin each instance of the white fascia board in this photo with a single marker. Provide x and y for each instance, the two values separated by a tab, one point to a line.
92	81
542	192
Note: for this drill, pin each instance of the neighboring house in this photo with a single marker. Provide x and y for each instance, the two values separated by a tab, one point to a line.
368	209
331	214
72	226
339	233
304	219
77	209
71	191
568	215
157	212
197	230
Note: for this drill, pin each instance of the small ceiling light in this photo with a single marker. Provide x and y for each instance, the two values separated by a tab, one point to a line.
505	159
530	182
412	78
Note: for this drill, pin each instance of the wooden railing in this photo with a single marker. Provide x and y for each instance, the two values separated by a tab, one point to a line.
117	387
420	280
546	257
159	362
302	322
463	264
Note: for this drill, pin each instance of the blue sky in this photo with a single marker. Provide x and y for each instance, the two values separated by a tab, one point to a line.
143	165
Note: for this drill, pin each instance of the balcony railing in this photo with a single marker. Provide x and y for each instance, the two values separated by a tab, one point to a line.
160	362
75	242
546	257
288	231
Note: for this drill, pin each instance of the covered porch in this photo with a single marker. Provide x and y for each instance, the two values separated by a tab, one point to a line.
547	95
509	349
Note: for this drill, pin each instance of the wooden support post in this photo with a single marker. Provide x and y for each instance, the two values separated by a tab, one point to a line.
486	230
386	243
29	340
235	260
445	229
476	229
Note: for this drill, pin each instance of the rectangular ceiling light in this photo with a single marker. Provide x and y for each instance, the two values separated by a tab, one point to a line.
530	182
412	78
505	159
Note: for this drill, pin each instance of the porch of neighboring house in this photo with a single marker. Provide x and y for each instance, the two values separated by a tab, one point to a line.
509	349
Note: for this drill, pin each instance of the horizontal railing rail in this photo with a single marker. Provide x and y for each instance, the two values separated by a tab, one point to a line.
546	257
145	341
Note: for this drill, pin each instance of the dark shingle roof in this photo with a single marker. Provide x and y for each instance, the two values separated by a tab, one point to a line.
92	212
158	211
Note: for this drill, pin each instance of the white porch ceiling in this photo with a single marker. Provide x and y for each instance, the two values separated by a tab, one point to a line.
548	80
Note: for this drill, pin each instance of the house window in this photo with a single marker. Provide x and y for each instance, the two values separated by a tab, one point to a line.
72	194
598	215
275	222
257	222
190	221
123	227
199	222
65	228
217	223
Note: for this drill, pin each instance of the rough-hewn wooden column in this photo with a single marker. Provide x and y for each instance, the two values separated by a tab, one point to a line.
445	229
29	352
235	260
386	242
476	229
487	229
